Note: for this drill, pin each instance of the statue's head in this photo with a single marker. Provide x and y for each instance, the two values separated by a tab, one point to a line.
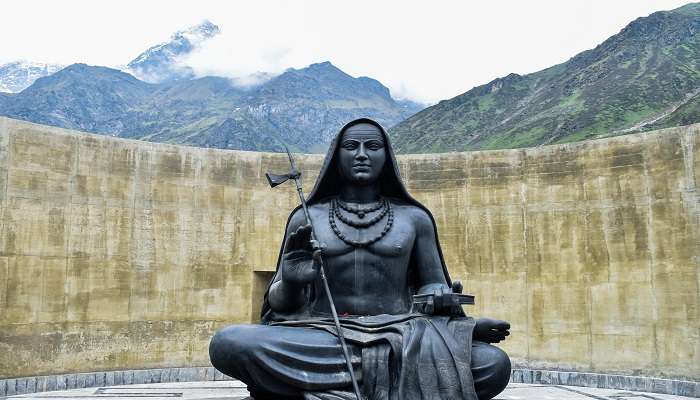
361	154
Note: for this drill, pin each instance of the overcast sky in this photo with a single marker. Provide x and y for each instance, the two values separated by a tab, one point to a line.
423	50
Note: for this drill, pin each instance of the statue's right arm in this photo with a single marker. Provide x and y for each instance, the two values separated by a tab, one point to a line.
286	295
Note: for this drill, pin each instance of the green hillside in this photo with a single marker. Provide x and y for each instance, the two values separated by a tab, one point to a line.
645	77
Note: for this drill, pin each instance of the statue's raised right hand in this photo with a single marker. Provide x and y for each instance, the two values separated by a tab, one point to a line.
301	259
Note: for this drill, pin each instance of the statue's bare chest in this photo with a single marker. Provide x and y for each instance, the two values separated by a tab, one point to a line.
396	242
368	279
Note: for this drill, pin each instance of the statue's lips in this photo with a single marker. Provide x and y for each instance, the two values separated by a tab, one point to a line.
361	167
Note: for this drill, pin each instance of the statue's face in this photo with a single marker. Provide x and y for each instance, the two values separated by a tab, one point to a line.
361	154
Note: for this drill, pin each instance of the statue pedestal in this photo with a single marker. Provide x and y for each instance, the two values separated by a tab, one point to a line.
235	390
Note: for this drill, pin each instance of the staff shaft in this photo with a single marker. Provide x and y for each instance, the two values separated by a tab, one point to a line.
341	337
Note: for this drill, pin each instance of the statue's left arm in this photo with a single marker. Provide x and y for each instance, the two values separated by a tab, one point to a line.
432	278
426	258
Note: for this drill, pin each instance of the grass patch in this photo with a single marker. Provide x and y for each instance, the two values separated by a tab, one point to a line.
486	102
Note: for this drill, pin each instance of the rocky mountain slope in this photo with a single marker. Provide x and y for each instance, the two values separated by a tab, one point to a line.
301	108
645	77
18	75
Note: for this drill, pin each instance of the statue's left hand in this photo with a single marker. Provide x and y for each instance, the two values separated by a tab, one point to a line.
491	330
440	305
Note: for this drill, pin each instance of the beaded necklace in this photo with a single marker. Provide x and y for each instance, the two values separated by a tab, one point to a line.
333	211
361	210
362	224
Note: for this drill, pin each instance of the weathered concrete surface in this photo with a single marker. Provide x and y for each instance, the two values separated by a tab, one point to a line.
119	254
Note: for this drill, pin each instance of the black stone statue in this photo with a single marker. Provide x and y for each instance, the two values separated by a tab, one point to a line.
379	248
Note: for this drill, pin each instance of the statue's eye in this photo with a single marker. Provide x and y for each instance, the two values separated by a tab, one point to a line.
350	145
374	145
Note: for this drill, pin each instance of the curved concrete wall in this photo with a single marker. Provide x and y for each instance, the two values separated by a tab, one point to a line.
118	254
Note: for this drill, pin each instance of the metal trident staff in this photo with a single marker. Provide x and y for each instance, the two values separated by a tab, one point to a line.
294	174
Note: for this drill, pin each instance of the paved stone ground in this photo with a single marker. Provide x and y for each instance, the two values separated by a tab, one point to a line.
234	390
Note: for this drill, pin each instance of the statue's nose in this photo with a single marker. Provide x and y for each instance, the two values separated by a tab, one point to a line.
361	155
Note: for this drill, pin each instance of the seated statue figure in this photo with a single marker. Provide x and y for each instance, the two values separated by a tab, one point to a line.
379	248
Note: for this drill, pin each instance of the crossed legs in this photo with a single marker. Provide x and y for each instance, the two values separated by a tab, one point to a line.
283	362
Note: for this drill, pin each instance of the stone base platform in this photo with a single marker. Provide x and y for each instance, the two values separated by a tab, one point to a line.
235	390
534	378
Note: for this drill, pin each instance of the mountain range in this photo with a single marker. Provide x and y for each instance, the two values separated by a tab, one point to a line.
156	97
645	77
159	63
301	108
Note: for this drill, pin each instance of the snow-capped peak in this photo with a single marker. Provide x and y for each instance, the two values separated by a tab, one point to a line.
199	33
16	76
161	62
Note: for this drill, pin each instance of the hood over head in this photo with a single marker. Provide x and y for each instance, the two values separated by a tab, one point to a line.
389	181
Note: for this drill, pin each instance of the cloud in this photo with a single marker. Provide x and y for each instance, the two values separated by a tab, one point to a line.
423	51
226	56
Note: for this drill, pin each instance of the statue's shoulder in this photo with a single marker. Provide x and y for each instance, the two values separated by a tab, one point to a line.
317	209
417	214
296	219
321	205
